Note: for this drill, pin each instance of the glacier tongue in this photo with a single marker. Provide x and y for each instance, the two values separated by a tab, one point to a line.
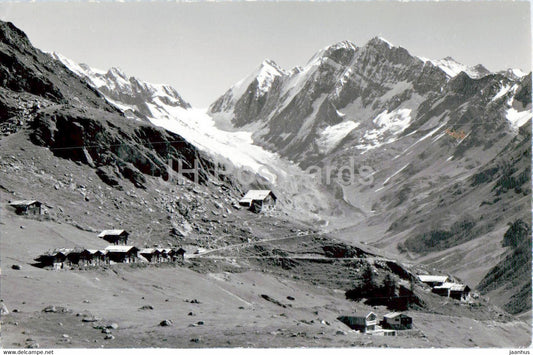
194	125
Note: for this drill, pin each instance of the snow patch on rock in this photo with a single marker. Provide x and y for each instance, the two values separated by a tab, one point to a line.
331	136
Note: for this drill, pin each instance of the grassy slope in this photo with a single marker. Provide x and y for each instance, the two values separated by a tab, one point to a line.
116	294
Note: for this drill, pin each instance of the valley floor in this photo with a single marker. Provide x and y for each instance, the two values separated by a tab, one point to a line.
230	311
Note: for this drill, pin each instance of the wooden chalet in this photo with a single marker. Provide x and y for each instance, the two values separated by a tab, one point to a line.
258	200
178	254
114	236
93	257
453	290
363	322
27	207
122	254
397	321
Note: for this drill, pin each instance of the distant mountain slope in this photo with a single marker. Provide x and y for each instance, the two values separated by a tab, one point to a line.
349	96
424	130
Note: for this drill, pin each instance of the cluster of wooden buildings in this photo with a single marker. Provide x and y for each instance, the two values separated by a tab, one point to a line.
117	252
443	286
370	324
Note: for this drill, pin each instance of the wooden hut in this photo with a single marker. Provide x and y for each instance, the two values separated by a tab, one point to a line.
397	321
27	207
114	236
122	254
258	200
363	322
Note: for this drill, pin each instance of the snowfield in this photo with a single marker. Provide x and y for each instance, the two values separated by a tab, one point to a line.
395	121
331	136
388	124
518	118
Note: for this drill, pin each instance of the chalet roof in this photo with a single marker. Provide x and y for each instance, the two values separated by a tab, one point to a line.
63	251
433	278
452	286
94	251
18	203
392	315
362	315
119	248
253	195
114	232
147	251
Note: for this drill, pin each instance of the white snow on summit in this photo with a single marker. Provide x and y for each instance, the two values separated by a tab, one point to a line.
264	75
452	67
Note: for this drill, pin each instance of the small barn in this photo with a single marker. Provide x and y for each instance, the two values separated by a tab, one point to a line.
178	254
122	254
453	290
27	207
114	236
397	321
433	280
58	258
150	254
164	254
258	200
363	322
73	257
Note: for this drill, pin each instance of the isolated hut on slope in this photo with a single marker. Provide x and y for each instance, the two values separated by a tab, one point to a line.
363	322
258	200
115	236
433	280
27	207
397	321
453	290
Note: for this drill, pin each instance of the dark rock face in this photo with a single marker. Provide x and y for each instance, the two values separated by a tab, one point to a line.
25	69
118	148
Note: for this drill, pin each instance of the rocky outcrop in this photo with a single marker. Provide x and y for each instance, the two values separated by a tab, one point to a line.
118	148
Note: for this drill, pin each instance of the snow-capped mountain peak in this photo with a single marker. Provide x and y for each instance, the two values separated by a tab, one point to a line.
379	41
513	73
452	67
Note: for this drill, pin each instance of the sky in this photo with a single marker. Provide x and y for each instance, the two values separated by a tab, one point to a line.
202	48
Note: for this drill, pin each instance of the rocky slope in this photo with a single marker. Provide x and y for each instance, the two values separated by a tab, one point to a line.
57	119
